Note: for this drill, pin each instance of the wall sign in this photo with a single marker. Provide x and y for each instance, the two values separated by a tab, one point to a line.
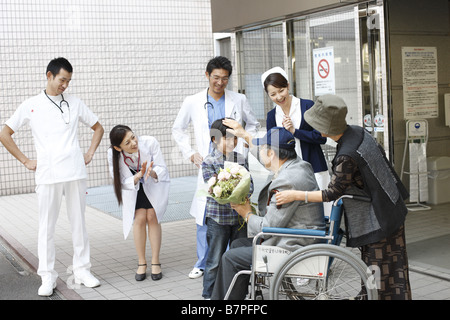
324	82
420	82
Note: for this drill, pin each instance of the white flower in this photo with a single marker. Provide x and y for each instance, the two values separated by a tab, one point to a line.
235	169
224	175
212	181
242	171
217	191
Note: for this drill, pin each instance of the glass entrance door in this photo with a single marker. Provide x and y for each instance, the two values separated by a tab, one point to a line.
326	59
342	52
374	77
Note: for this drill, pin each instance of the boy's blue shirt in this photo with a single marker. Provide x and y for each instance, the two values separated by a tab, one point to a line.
213	162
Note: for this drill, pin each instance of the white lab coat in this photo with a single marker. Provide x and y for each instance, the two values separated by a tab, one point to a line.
157	192
193	110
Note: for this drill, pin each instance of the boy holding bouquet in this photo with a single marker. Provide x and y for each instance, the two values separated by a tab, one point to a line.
224	224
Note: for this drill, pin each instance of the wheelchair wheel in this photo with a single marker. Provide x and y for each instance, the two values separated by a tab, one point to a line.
323	272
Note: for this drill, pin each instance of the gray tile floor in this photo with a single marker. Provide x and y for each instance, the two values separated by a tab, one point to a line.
114	259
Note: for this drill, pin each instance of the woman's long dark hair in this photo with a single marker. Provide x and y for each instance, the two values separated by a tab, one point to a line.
116	137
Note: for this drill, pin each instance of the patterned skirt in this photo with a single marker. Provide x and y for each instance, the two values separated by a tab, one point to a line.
391	262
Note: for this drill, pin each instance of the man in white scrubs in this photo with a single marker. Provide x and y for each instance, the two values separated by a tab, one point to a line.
202	109
60	168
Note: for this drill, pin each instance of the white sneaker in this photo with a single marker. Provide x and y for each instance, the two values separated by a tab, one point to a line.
87	279
195	273
46	288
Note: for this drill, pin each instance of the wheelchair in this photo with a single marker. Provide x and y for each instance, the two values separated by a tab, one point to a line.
322	271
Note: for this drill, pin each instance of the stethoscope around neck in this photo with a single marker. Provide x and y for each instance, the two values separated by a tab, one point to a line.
206	106
62	103
130	162
207	103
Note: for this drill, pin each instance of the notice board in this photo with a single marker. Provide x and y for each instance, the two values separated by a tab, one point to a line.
324	82
420	82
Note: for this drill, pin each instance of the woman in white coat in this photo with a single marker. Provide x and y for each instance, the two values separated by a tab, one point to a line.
141	185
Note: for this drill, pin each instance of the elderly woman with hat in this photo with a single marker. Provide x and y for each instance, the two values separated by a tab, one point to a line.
360	167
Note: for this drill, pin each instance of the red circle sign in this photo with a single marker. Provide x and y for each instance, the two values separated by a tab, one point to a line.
323	68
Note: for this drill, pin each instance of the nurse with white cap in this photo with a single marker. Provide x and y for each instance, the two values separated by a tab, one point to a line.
288	113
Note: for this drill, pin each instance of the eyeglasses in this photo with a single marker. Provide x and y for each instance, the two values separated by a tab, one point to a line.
216	78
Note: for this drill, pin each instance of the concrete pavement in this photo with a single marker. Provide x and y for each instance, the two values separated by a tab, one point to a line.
17	280
114	259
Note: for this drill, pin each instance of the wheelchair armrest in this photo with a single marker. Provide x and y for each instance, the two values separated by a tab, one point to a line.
305	232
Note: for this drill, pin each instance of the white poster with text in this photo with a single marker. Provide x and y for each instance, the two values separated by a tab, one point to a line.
420	82
324	82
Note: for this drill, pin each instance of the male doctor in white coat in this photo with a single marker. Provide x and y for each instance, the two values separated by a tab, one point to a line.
60	168
202	109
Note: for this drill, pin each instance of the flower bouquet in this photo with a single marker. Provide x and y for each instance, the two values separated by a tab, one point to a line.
230	185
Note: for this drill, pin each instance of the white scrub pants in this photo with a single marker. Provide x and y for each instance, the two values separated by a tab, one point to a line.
49	199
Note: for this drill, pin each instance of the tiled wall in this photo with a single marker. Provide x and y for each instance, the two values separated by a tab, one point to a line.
134	63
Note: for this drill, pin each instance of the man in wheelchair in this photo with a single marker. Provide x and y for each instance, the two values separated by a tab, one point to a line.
276	153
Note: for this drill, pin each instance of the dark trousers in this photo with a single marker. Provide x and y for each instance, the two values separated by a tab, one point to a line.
218	238
238	258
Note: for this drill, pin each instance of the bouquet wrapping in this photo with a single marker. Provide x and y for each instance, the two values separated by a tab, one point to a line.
230	185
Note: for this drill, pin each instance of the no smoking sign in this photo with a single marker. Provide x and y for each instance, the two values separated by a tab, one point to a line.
323	68
324	71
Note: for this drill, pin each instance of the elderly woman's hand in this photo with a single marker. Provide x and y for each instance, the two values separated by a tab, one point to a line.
236	128
286	196
238	131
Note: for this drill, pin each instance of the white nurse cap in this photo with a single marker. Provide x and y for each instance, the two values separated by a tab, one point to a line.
273	70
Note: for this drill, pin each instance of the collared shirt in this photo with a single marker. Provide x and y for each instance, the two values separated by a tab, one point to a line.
59	156
296	117
222	213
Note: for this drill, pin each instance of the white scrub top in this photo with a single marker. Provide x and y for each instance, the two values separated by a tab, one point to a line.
59	156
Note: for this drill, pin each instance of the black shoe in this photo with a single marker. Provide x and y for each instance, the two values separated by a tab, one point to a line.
156	276
140	276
